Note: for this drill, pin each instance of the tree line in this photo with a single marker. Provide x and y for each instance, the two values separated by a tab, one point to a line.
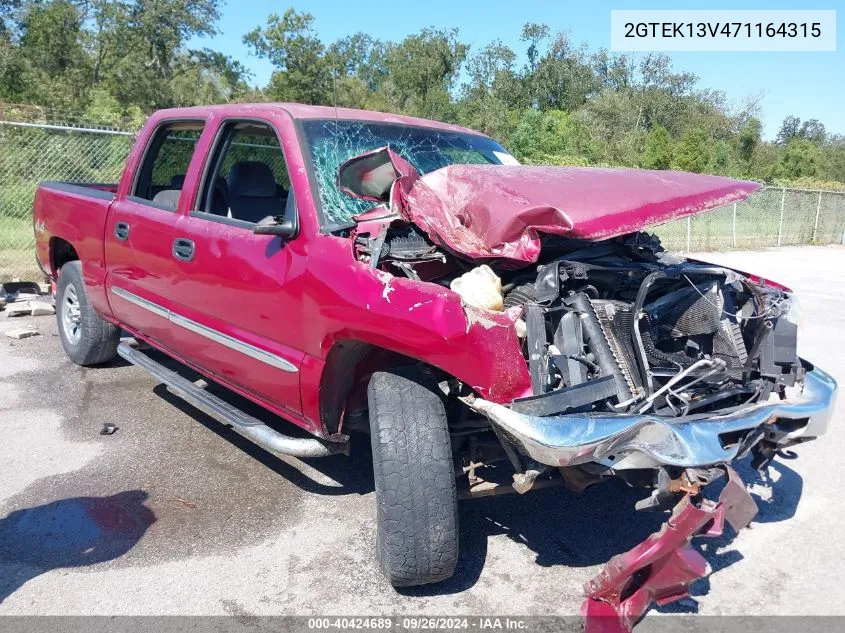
118	60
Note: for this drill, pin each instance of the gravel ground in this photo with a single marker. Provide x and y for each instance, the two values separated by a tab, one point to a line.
174	515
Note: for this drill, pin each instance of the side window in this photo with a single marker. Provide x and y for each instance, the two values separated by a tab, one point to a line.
162	172
247	178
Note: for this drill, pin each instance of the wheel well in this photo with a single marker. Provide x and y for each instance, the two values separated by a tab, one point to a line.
343	385
61	252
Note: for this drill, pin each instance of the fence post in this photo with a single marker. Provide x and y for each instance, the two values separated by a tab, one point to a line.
689	232
816	223
780	224
734	226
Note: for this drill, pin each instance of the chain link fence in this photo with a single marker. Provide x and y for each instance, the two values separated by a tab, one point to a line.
773	216
32	151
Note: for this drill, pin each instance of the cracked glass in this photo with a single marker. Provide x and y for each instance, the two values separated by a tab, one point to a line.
427	149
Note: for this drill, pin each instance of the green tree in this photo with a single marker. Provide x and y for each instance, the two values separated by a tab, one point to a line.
493	92
552	137
749	139
563	79
789	129
802	158
813	130
658	149
423	68
290	43
533	33
693	151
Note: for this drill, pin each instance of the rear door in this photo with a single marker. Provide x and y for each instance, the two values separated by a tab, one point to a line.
237	298
141	267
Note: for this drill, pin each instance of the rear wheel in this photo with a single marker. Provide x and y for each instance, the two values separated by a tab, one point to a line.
416	498
86	338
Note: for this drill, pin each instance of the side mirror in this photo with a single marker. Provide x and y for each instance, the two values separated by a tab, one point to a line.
276	225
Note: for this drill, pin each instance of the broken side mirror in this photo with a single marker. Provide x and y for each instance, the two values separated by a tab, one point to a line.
277	225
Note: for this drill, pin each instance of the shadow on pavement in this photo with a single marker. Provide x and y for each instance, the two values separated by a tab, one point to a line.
73	532
353	472
559	526
587	529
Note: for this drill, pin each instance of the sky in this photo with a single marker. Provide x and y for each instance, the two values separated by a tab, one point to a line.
810	85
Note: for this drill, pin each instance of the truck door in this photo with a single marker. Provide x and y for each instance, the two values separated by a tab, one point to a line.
237	295
141	268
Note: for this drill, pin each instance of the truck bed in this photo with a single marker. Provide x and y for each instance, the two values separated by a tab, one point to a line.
77	212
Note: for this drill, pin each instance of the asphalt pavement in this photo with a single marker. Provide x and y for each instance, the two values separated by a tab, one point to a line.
173	514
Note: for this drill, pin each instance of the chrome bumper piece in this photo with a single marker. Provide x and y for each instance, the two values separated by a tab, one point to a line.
642	441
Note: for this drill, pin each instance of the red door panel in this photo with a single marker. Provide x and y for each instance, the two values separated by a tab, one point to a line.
233	307
141	267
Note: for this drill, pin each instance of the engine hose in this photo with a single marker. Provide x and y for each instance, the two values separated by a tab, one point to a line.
520	295
639	347
596	341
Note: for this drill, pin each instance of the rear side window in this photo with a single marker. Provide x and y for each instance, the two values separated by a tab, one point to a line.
162	172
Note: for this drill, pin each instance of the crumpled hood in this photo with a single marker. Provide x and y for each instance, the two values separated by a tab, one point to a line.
484	212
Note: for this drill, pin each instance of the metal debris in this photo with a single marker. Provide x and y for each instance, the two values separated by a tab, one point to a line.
109	428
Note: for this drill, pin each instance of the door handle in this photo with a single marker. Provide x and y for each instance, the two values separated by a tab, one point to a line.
121	231
183	249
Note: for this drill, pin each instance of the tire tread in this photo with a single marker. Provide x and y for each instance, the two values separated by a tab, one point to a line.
416	493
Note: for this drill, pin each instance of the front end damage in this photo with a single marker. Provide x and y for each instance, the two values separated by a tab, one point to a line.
654	369
661	372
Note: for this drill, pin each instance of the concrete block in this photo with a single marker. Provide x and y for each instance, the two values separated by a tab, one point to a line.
18	308
41	308
22	332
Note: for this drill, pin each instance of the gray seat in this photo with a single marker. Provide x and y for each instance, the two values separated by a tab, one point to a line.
251	192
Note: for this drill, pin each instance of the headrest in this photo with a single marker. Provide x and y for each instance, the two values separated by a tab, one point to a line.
251	179
168	198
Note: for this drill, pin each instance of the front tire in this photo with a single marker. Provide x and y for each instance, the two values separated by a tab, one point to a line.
86	338
416	497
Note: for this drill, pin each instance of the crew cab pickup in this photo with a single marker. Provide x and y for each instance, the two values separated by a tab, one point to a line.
492	326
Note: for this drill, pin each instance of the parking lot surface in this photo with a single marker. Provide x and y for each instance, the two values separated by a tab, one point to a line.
173	514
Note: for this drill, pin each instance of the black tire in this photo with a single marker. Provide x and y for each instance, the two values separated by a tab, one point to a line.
94	340
416	497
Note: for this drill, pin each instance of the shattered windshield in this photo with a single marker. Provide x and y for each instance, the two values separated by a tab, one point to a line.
333	142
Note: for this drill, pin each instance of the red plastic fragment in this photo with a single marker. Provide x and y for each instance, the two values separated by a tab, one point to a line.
662	567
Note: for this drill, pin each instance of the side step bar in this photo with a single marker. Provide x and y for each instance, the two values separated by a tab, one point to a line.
246	425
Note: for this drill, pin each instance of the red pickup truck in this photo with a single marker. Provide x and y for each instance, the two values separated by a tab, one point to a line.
493	327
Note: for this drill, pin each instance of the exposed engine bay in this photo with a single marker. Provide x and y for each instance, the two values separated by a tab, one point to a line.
617	328
620	325
639	365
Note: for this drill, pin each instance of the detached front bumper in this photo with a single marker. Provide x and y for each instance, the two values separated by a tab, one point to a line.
644	441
